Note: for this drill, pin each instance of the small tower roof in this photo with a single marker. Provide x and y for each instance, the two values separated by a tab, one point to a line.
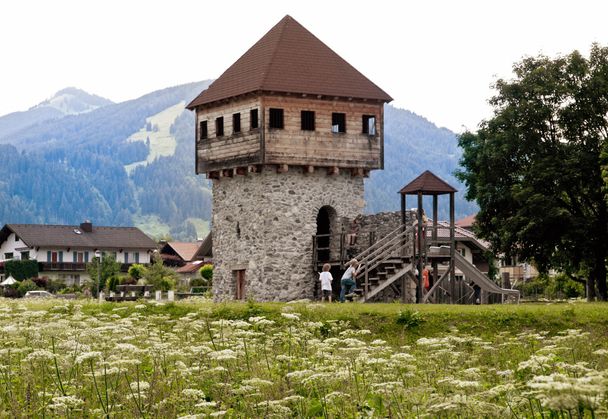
290	59
429	184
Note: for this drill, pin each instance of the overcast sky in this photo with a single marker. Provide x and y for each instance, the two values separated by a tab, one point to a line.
435	58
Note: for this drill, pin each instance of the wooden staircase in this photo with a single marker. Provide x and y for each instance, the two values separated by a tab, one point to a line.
385	262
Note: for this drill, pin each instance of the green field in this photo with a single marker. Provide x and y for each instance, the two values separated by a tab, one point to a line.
200	359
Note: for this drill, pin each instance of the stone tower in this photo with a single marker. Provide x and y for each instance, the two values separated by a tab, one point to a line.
287	134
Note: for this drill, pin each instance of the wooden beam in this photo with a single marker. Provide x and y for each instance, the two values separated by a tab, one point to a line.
252	169
333	171
357	171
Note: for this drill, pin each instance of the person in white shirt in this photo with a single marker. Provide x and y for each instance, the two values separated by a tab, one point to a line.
326	278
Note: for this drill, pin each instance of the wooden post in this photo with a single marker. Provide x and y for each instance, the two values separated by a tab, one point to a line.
420	243
452	247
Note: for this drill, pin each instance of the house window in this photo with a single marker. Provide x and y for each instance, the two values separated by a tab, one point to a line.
86	257
202	130
276	118
112	255
463	252
61	256
25	255
253	118
219	126
368	124
308	120
338	122
236	122
126	257
136	257
78	257
8	256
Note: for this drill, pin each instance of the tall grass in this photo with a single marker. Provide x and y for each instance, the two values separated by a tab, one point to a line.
199	359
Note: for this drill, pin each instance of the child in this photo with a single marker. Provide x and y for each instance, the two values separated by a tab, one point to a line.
326	278
348	280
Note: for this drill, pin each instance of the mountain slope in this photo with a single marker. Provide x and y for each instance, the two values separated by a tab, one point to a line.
68	101
132	163
412	145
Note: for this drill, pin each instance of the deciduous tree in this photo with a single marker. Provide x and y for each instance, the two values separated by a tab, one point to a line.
535	167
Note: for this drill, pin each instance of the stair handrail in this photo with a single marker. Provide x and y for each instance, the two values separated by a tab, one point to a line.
361	257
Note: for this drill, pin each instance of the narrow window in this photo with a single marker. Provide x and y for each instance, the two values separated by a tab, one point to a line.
203	130
136	254
236	122
276	118
86	257
25	255
61	256
308	120
369	124
338	122
219	126
253	119
126	257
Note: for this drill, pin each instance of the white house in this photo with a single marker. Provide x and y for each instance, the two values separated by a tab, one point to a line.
63	251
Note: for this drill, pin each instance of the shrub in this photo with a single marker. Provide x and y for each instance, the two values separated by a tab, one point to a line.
41	281
55	285
128	280
113	281
207	273
25	286
136	271
198	282
21	269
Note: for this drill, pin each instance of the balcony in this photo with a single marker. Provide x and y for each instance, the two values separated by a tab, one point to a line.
73	266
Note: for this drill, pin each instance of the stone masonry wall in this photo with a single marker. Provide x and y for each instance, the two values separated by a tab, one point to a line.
264	223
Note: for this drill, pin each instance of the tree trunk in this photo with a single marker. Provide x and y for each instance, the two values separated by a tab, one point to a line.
601	279
591	286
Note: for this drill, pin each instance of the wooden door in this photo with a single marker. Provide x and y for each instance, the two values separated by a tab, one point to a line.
240	284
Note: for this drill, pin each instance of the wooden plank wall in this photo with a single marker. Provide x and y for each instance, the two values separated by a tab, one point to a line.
321	147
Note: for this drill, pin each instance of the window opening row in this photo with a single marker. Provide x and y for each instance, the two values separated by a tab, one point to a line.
276	119
236	124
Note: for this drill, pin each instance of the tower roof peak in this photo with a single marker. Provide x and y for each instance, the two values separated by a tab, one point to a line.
290	59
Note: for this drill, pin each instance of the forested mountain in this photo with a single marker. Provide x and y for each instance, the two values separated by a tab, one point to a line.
68	101
412	145
132	163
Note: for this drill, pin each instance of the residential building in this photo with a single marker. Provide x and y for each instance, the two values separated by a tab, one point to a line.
63	251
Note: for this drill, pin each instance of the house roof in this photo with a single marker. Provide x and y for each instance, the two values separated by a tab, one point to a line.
460	234
429	184
185	250
191	267
466	222
290	59
206	248
43	235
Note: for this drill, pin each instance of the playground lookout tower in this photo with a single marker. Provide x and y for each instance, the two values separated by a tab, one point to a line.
287	134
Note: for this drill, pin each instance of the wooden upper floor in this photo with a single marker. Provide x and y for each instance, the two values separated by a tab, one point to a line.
284	130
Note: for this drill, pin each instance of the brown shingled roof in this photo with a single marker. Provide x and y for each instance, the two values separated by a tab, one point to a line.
42	235
429	184
290	59
185	250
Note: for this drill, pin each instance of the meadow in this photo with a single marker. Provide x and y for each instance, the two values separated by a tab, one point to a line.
200	359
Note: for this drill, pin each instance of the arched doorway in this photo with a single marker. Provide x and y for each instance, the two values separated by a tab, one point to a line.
325	221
